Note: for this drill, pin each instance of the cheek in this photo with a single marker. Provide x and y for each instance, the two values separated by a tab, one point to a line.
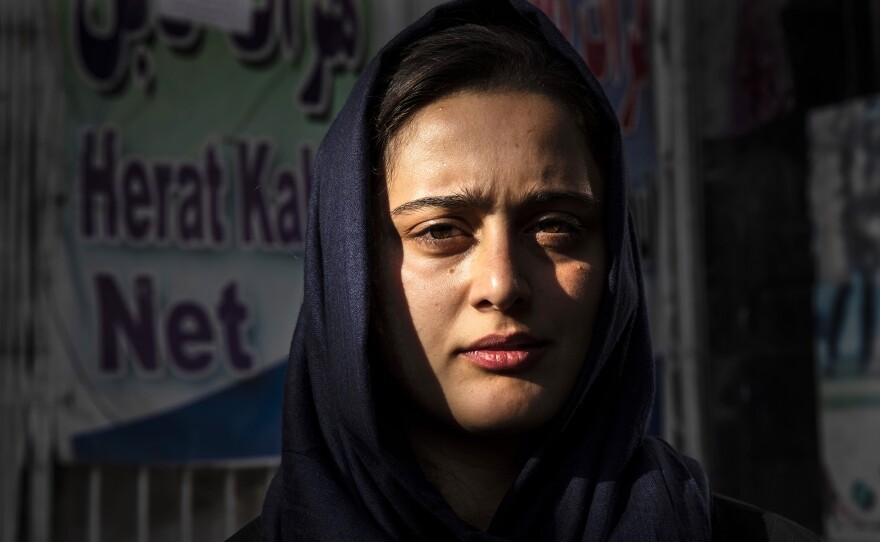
578	281
413	329
580	277
580	285
430	288
416	307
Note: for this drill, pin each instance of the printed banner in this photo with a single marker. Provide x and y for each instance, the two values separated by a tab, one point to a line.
191	132
845	208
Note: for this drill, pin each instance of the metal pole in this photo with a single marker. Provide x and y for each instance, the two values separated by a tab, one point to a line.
93	524
679	239
186	512
143	504
229	503
11	396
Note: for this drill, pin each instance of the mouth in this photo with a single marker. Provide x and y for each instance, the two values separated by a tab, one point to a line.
506	353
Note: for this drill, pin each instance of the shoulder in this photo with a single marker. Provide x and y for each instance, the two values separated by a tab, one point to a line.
248	533
735	520
732	520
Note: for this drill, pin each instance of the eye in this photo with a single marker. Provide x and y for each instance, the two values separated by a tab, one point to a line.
441	237
441	231
555	225
557	232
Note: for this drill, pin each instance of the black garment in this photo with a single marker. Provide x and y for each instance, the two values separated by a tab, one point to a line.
248	533
732	521
593	475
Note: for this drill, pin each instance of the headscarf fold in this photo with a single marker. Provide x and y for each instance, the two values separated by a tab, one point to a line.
593	476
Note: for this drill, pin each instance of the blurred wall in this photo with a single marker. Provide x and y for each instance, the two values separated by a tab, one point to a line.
757	71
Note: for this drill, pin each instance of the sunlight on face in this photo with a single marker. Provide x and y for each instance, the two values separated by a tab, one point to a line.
491	260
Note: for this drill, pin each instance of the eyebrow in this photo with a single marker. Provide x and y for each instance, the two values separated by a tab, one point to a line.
539	197
471	200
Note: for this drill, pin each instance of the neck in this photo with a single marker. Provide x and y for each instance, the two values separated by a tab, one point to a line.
472	473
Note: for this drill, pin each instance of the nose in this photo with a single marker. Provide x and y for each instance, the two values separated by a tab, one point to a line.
499	277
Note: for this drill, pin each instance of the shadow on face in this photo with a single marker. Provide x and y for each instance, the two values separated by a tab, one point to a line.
489	260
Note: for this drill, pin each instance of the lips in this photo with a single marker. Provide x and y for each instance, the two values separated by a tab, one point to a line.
503	353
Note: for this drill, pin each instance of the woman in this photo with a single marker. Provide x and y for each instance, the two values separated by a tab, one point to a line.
472	358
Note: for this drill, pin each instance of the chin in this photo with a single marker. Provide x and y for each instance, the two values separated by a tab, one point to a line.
507	418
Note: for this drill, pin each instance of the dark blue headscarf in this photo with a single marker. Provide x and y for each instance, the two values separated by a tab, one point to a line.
594	475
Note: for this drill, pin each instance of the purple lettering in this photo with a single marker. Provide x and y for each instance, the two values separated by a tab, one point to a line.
154	202
189	337
162	175
337	32
289	216
232	314
102	54
190	214
260	44
252	172
136	199
214	175
114	319
96	181
182	36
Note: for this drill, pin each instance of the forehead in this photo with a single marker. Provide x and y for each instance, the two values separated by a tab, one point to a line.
505	143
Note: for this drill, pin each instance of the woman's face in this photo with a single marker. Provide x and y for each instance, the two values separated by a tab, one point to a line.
491	259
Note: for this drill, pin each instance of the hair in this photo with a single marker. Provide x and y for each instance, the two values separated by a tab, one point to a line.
477	58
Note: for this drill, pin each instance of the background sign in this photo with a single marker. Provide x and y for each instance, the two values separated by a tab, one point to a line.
190	140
